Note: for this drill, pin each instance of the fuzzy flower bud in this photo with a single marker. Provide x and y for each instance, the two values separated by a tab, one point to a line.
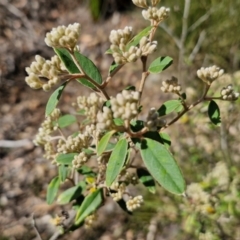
105	119
158	15
210	74
79	160
228	93
140	3
64	37
153	120
125	105
134	203
146	46
171	86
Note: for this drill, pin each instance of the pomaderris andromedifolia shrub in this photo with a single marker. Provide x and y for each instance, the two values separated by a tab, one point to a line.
112	132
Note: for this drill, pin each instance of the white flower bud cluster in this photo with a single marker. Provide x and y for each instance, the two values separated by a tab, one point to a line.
140	3
80	159
131	178
121	53
134	203
219	174
73	144
119	39
64	37
105	119
153	120
147	47
91	105
229	94
120	190
41	68
125	105
210	74
47	127
155	14
199	199
171	86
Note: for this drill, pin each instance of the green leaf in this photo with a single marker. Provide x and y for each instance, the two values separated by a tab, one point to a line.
118	121
162	166
89	68
95	9
54	99
89	205
135	40
63	172
52	190
87	171
66	120
113	67
146	179
104	142
170	106
165	139
66	158
160	64
86	64
214	113
116	161
71	193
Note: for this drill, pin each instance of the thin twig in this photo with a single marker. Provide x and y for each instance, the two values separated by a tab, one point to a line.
35	228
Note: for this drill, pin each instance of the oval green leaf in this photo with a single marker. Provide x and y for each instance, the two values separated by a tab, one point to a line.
214	113
71	193
165	139
54	99
66	120
66	158
116	161
104	142
89	205
63	172
52	190
162	166
160	64
146	179
170	106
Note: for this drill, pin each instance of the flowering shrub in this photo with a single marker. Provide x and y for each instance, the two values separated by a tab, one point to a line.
98	159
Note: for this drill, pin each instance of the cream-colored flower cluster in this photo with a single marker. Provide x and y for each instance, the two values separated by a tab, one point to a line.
47	127
156	14
90	105
105	119
134	203
147	47
89	220
228	93
219	174
122	53
64	37
153	120
118	189
140	3
74	144
42	68
210	74
171	86
199	199
80	159
125	105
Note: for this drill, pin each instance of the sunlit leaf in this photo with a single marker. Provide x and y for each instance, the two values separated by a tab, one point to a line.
160	64
104	142
165	139
66	120
162	166
89	205
63	172
52	189
65	158
116	161
54	99
170	106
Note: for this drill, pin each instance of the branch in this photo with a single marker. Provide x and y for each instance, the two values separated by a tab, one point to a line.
15	144
35	228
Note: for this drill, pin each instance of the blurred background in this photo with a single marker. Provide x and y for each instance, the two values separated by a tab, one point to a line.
197	33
